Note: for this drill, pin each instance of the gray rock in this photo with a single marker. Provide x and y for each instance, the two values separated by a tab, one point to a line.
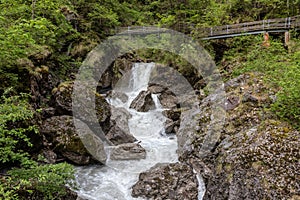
156	89
50	156
143	102
248	97
171	126
235	82
62	101
173	114
118	136
118	95
119	131
119	117
129	151
62	139
168	100
167	181
232	102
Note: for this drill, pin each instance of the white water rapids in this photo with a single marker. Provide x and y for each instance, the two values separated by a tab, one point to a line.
114	180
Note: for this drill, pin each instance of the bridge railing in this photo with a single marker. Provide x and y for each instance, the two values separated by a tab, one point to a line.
262	25
269	24
138	30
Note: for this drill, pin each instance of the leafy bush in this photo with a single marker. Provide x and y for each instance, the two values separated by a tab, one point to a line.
42	181
32	179
14	127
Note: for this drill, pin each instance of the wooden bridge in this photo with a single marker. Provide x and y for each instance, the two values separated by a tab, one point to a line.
217	32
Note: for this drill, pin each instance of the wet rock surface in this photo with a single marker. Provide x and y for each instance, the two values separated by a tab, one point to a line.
167	181
117	136
167	99
171	126
143	102
119	132
129	151
170	103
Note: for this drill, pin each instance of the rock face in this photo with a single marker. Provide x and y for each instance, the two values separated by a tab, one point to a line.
62	98
256	156
129	151
167	181
63	141
143	102
264	165
62	103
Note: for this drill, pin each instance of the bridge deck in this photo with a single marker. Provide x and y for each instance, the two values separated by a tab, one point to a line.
248	28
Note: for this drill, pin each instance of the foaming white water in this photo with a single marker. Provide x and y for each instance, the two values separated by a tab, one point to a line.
114	181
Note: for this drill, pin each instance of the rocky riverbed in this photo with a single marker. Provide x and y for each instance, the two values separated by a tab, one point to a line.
256	157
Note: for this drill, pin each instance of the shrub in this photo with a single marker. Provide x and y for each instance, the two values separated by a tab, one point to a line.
31	179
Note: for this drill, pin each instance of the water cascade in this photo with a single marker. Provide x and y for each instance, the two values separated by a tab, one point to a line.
115	179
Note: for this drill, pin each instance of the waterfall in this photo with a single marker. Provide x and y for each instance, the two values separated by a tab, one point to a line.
114	181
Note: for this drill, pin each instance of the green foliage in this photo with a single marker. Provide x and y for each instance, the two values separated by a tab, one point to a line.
287	105
26	27
282	70
42	181
14	128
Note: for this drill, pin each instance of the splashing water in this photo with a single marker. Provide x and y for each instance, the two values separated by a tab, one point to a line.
114	181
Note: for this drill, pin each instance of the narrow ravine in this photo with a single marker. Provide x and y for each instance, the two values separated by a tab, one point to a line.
114	181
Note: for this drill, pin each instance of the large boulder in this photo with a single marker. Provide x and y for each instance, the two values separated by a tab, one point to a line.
167	181
129	151
143	102
61	100
62	139
168	100
119	132
116	135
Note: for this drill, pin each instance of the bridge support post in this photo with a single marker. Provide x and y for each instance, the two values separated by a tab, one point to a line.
266	42
287	37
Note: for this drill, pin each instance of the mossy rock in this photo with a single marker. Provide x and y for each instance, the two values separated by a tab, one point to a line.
62	138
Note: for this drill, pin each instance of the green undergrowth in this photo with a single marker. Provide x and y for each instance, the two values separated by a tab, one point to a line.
281	67
26	178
